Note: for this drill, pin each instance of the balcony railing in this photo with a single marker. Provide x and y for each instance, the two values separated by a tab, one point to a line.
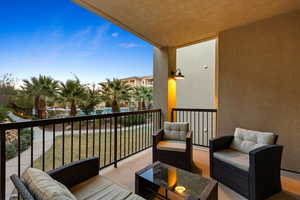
54	142
203	122
48	144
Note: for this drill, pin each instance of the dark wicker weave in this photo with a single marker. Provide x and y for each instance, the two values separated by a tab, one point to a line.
263	178
181	160
70	174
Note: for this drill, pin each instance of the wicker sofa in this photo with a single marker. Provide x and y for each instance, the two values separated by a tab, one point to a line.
83	180
248	162
173	145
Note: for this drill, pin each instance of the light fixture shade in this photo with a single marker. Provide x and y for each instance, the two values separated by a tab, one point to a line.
178	74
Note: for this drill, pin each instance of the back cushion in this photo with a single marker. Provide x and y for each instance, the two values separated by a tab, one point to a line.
248	140
43	187
175	130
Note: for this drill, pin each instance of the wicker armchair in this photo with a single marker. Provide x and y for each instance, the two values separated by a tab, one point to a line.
83	179
256	174
64	174
173	145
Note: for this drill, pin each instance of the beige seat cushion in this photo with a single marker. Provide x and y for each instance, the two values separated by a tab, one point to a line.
99	187
235	158
248	140
175	130
44	187
172	145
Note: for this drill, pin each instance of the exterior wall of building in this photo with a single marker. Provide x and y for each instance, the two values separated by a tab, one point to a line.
197	63
259	81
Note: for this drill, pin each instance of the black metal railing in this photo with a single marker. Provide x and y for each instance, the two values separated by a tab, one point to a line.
203	122
54	142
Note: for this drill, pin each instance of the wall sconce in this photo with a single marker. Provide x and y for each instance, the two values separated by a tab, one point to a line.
177	75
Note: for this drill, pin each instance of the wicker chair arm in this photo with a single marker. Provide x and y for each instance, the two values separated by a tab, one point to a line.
189	135
158	132
189	139
157	137
76	172
266	156
21	188
265	165
220	143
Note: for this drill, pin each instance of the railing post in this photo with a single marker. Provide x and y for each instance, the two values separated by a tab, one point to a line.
115	141
172	115
160	113
2	164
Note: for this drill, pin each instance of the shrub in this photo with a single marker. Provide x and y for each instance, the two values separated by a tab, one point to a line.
98	112
3	113
12	148
133	120
21	115
56	113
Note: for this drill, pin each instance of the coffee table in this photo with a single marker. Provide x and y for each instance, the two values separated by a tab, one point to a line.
162	181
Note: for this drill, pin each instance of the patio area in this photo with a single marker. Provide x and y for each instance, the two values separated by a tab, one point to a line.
255	87
124	175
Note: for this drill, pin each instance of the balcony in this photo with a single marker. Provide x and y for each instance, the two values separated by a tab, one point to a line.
122	141
255	86
111	137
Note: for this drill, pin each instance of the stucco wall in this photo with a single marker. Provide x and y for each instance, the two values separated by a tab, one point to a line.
160	74
259	81
197	89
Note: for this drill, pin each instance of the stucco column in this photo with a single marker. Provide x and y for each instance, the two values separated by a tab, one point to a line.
164	61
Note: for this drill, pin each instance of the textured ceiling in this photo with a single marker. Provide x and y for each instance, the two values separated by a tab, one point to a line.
180	22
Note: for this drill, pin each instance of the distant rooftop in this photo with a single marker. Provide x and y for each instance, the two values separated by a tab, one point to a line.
138	77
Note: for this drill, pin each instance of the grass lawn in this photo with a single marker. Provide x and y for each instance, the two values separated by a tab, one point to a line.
128	141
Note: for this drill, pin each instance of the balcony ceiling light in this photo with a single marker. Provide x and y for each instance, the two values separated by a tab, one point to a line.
178	74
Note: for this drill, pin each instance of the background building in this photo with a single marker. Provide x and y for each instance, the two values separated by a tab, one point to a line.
134	81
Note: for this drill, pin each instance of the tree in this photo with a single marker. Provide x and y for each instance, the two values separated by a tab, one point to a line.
41	89
92	98
7	89
73	93
149	96
142	95
113	92
21	102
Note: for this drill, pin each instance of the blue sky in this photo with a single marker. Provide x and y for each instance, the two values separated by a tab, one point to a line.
59	38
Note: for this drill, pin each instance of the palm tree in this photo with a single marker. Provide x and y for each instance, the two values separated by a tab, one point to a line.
73	93
113	92
142	95
92	98
149	96
40	88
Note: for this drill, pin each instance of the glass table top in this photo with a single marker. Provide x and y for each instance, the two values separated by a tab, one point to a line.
181	182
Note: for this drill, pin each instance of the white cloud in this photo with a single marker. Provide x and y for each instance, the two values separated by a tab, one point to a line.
55	45
100	32
130	45
116	34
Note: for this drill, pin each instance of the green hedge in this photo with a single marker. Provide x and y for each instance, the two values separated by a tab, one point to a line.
12	148
3	113
21	115
133	120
